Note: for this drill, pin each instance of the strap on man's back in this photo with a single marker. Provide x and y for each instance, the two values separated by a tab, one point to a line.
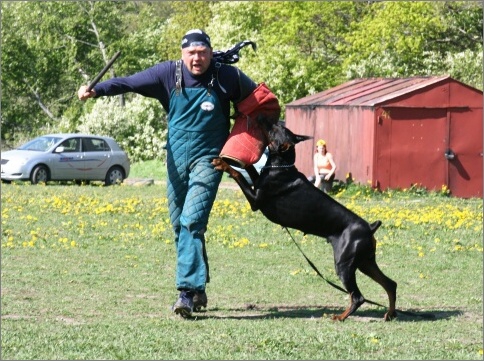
178	76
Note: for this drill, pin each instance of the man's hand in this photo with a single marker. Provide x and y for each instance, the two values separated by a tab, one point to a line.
83	94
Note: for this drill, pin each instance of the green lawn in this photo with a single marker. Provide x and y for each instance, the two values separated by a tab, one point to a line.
88	273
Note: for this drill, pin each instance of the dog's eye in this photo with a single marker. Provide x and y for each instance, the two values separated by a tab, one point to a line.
285	147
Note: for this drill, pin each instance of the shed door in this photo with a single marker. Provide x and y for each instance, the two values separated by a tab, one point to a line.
465	142
410	148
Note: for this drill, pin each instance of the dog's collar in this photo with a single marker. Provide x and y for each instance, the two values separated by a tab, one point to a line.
278	166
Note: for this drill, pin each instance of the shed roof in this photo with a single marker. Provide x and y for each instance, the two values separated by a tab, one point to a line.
369	91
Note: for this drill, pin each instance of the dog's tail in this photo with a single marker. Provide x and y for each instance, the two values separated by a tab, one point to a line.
374	226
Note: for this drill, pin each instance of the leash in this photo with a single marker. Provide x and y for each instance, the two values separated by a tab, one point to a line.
319	273
424	315
278	166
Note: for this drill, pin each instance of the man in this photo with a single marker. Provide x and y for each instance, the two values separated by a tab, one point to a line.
196	93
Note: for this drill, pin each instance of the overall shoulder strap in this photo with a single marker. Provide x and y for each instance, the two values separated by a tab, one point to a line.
178	76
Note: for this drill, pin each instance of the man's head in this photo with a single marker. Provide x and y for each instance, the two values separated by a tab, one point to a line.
196	51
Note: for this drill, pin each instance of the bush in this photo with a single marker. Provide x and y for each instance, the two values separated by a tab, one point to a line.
140	127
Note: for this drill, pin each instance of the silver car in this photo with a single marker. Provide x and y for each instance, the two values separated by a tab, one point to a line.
56	157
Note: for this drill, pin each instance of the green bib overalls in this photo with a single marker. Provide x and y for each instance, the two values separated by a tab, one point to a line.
196	135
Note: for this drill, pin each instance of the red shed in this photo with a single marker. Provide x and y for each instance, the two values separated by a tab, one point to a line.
396	132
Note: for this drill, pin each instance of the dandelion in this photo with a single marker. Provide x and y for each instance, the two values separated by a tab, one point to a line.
240	243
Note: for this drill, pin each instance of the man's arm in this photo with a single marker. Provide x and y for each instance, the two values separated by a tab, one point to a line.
153	82
246	86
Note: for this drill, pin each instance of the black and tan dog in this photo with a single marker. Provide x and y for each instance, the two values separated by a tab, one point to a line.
286	197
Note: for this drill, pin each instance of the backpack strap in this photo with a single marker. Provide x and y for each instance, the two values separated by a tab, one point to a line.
217	68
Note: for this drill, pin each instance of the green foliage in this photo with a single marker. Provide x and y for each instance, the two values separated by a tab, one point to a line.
466	66
400	31
44	44
152	169
185	16
297	42
462	22
144	32
398	39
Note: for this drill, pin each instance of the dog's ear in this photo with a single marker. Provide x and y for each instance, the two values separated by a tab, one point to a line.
301	138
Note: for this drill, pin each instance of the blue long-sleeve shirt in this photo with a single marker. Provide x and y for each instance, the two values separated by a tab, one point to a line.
159	80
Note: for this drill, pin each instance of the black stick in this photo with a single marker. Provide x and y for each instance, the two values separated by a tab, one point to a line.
102	72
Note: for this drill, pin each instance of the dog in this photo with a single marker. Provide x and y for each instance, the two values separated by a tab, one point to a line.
286	197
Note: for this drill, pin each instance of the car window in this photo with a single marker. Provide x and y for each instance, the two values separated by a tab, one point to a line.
95	145
101	145
71	145
40	144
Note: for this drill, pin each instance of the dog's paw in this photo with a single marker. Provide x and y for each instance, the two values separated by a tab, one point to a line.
390	316
219	164
340	318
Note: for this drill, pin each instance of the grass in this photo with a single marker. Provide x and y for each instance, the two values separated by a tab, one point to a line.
155	169
88	273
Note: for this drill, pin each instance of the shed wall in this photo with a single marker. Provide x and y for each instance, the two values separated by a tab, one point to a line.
410	148
395	132
349	140
465	171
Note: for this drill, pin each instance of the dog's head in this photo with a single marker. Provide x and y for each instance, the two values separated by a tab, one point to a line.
281	141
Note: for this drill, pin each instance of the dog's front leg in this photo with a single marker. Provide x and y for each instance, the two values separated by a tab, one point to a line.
248	191
252	172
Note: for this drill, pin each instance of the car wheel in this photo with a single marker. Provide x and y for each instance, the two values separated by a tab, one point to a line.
40	174
115	175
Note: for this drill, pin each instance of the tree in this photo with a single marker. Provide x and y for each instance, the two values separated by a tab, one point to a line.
398	39
185	16
298	42
44	45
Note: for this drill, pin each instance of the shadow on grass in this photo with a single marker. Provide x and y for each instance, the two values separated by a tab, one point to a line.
253	312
